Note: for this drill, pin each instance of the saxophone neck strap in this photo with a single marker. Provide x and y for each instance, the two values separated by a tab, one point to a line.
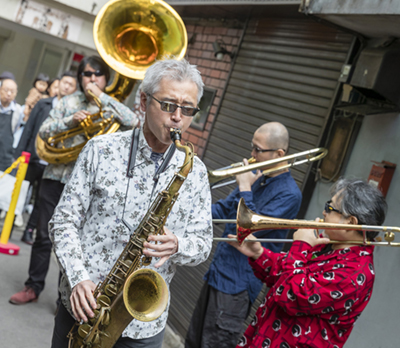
133	152
165	162
132	156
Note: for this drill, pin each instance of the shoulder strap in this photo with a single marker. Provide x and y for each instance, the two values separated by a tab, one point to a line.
132	157
165	162
133	151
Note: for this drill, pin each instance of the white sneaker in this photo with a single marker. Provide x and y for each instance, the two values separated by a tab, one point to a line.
19	221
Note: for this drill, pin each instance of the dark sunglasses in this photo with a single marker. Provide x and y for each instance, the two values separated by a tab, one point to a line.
171	107
90	73
257	149
329	208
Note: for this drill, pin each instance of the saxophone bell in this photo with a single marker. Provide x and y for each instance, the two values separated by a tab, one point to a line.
145	294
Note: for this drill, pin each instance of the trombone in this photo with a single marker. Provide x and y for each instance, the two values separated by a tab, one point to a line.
248	222
216	176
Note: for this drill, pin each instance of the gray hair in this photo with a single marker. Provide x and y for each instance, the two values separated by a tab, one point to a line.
360	199
171	69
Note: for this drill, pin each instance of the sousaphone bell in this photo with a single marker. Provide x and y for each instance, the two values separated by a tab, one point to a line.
130	35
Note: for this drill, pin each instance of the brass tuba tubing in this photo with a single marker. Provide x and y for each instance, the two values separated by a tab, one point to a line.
216	176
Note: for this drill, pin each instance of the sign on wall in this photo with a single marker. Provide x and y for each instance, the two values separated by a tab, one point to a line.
89	6
49	20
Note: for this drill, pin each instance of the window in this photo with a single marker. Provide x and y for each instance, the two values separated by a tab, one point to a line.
205	104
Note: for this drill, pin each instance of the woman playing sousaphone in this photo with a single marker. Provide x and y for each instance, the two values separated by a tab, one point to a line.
317	290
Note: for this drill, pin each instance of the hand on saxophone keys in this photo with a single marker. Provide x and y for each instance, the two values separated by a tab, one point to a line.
168	246
83	301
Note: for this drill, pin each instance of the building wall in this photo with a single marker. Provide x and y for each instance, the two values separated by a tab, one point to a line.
214	72
14	55
378	139
9	10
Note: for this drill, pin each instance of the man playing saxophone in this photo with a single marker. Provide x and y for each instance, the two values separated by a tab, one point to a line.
317	290
110	192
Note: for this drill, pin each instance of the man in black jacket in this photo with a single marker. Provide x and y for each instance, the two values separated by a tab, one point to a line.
36	166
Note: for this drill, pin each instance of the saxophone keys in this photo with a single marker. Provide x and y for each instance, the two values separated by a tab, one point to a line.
110	290
146	260
84	329
96	315
106	318
103	301
96	338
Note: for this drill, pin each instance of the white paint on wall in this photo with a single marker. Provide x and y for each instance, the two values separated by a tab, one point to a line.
49	20
89	6
9	11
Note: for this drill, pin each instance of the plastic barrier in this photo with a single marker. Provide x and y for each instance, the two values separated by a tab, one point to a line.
22	163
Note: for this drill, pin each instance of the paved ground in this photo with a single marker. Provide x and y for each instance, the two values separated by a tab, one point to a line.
31	325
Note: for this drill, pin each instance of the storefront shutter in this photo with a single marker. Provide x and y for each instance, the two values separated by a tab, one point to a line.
287	70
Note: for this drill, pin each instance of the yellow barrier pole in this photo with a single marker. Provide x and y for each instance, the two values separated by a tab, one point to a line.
5	247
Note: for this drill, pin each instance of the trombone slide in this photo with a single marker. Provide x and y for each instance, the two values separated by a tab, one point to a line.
249	222
216	176
272	240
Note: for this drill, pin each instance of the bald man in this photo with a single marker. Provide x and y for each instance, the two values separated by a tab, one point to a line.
10	120
231	287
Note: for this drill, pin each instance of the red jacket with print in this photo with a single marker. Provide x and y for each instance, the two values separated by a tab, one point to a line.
312	301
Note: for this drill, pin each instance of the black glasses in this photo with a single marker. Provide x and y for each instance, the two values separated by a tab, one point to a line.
171	107
329	208
90	73
257	149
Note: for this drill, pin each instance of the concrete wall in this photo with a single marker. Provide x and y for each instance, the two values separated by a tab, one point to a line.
355	7
379	139
14	57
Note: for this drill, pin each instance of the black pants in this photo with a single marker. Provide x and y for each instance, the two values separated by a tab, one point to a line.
63	322
217	320
34	175
49	195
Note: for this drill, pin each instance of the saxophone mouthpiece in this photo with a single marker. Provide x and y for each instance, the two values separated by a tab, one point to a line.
175	134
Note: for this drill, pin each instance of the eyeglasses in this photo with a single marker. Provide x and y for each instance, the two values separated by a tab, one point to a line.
90	73
258	150
171	107
12	91
329	208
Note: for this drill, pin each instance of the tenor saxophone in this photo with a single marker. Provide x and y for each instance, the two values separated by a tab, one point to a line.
130	291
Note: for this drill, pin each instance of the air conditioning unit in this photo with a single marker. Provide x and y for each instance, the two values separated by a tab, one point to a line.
377	74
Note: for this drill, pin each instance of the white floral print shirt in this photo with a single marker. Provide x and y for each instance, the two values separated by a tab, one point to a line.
87	229
60	120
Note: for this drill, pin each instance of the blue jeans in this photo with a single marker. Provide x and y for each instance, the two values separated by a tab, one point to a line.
63	323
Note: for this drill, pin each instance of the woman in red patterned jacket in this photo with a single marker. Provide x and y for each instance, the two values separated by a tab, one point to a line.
317	290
